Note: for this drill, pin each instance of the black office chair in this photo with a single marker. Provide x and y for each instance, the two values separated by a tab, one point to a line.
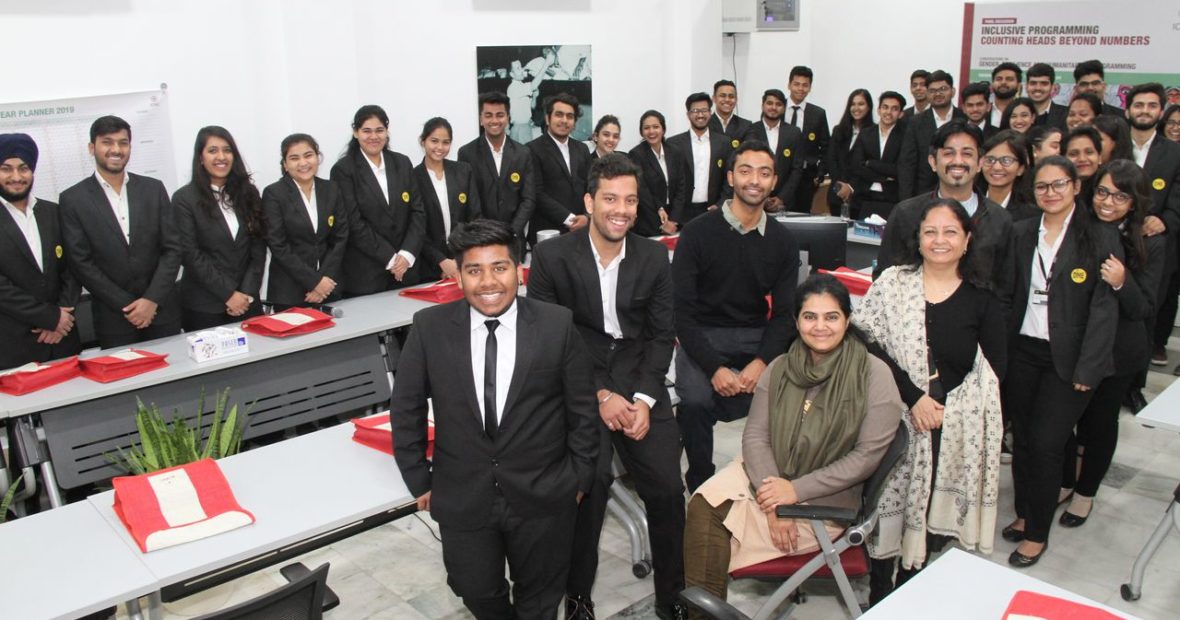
301	599
839	560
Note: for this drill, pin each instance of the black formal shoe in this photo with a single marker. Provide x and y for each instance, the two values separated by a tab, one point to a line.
675	611
1019	560
1069	519
1135	401
579	608
1012	534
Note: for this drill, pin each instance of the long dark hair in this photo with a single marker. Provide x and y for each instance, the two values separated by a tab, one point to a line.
911	255
1116	128
363	114
1016	142
1083	226
239	188
844	127
1006	117
1168	111
1127	176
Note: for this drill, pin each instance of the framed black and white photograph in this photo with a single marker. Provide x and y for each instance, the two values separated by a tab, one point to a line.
530	73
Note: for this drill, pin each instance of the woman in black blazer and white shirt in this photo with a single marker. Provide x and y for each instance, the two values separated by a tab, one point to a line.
449	194
662	195
858	116
306	230
222	236
1061	319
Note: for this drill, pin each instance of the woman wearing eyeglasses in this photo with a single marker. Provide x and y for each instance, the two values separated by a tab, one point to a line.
1060	348
1170	123
1001	169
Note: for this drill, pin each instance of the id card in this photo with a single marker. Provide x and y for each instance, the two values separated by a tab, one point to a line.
1040	298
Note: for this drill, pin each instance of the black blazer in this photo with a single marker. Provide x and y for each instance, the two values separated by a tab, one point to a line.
299	254
463	203
1162	169
560	191
1081	313
736	130
117	272
215	264
655	191
1138	301
1055	117
563	272
509	196
32	297
720	148
378	229
868	164
816	136
914	175
545	448
787	163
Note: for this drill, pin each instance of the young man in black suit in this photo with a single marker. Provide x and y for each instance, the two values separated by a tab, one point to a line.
1006	78
503	167
919	81
874	157
619	287
785	142
1038	83
131	277
727	262
725	120
561	164
914	173
1089	76
37	292
706	152
812	121
973	100
516	436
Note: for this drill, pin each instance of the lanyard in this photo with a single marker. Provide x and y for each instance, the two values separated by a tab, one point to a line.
1047	275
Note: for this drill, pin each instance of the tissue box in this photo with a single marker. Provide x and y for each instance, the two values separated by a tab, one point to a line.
864	229
217	343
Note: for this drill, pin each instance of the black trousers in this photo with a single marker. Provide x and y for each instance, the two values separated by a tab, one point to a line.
1043	409
1098	431
536	549
654	465
1165	315
805	192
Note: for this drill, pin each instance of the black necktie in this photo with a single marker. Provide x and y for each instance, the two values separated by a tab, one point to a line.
795	115
489	379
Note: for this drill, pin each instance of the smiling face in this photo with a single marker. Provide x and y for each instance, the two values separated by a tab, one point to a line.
613	207
1005	84
1039	89
16	179
941	238
1091	83
301	162
437	144
957	162
652	130
752	178
726	99
918	89
1172	126
1022	118
1054	190
561	120
941	94
859	108
1144	112
373	136
607	138
1084	155
799	87
488	278
772	108
493	118
1080	113
1000	166
888	112
976	108
698	115
217	158
111	151
821	324
1110	203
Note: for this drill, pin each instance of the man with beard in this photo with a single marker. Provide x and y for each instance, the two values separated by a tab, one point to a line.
726	121
1089	76
1038	83
784	141
619	288
707	152
976	107
914	174
132	279
561	165
727	261
1006	79
37	291
954	156
919	80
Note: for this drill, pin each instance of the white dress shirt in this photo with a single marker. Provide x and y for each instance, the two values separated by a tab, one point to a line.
1036	316
608	286
227	210
884	133
772	136
440	191
1141	151
313	211
26	221
382	180
940	121
702	152
497	154
118	202
791	105
505	355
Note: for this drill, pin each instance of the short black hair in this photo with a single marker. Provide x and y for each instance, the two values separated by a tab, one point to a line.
953	128
1042	69
982	89
291	141
720	83
565	98
482	233
801	71
1149	88
920	73
611	166
941	76
1082	131
1091	100
1087	67
494	97
1009	66
748	146
892	94
776	93
697	98
656	115
106	125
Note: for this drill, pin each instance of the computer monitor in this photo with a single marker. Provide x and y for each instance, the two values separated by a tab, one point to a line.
825	239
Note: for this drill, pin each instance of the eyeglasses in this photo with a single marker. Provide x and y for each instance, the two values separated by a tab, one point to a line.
1172	124
1057	186
1005	161
1119	198
940	90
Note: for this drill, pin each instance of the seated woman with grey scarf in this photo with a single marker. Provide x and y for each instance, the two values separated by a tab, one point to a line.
822	417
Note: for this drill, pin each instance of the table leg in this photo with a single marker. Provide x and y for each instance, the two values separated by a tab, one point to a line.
155	606
134	611
51	490
1131	591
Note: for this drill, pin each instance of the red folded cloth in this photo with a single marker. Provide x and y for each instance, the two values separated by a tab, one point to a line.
857	283
35	376
376	432
669	240
288	323
121	364
1027	605
440	292
177	505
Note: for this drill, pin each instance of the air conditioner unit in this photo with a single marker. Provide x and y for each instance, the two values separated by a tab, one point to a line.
739	16
745	16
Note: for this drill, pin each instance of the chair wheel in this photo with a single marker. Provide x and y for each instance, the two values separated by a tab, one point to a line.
799	597
641	569
1128	595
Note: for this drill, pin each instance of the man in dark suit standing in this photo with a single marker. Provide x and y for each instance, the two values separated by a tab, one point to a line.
706	152
503	167
122	243
976	107
812	121
37	291
619	287
784	141
515	423
914	173
1038	83
874	158
1089	76
725	120
561	165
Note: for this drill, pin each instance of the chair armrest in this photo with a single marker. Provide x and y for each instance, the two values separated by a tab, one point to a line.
823	513
710	605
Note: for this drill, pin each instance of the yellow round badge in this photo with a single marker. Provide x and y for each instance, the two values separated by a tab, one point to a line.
331	221
811	136
462	198
57	251
786	152
1078	276
1158	185
720	163
405	196
515	177
735	143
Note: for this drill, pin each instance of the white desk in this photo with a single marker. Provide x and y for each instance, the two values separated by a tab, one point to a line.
1164	411
66	563
965	587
